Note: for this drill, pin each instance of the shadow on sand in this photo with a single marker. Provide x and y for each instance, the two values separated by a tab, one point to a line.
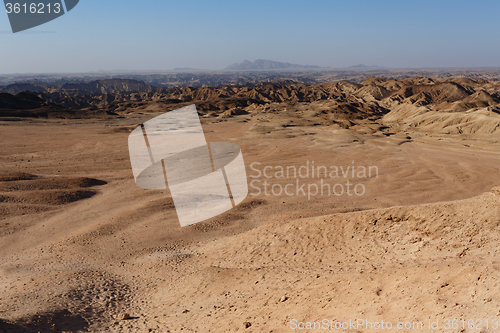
50	322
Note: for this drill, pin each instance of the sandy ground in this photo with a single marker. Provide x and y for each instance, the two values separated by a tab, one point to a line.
82	245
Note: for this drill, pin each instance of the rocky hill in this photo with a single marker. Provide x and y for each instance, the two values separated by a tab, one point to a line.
107	86
452	105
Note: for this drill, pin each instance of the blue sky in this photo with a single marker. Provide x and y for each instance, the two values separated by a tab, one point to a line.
162	35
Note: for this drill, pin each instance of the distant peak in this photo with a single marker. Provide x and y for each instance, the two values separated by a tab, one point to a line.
363	66
263	64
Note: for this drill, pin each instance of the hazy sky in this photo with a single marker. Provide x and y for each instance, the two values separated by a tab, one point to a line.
162	35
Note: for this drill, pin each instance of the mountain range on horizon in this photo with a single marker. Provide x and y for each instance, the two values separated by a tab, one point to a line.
365	66
263	64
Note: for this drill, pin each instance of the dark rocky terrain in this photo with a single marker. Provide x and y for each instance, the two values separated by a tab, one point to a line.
425	100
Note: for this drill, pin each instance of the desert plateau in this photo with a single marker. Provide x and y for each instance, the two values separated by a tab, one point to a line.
414	239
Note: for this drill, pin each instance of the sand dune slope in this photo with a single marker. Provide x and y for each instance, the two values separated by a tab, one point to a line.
399	264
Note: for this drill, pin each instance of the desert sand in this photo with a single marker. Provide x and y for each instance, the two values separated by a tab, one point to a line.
84	248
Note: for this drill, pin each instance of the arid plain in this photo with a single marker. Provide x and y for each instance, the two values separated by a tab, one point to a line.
84	248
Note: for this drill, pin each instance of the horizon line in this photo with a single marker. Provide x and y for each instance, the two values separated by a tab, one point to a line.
292	69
